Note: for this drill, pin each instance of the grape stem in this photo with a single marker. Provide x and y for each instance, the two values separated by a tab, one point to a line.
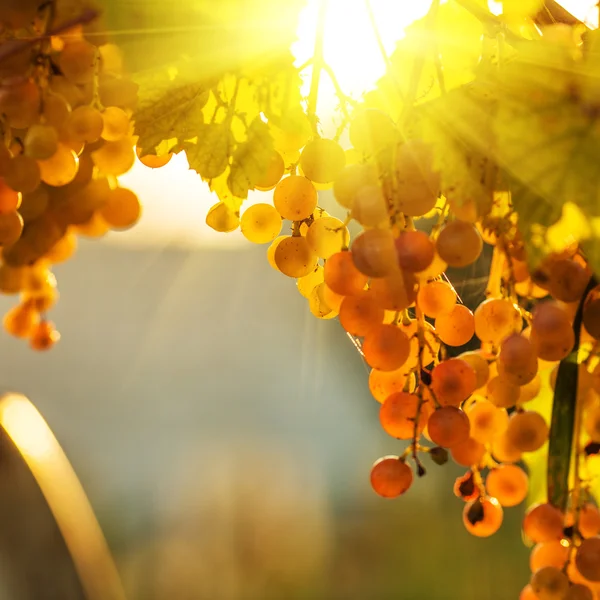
494	286
421	338
318	63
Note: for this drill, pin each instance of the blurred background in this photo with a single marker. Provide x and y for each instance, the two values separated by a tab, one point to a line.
223	435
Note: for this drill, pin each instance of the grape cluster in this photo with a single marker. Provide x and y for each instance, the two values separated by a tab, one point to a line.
65	116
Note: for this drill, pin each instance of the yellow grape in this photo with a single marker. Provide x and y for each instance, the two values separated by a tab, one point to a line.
295	198
579	591
342	276
495	319
372	131
271	250
527	431
294	257
115	123
459	244
328	235
322	160
553	349
503	451
470	452
385	347
398	415
435	298
12	279
396	291
63	249
41	141
487	420
116	91
391	477
589	520
455	327
417	184
508	484
61	168
44	336
221	218
20	103
568	280
23	174
273	174
548	554
360	314
122	209
115	158
479	364
453	381
448	426
550	583
517	360
431	348
77	61
94	227
331	298
527	593
482	517
85	124
293	132
370	207
415	250
374	253
502	393
260	223
153	161
55	110
309	282
11	227
351	179
21	320
385	383
530	390
318	304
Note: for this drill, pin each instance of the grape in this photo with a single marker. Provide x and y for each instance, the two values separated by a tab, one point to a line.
115	158
527	431
360	314
543	523
527	593
72	94
448	426
482	517
453	381
391	477
372	131
327	235
517	360
122	209
395	292
10	200
470	452
578	591
479	364
530	390
385	347
261	223
435	298
342	277
370	207
322	160
332	299
553	349
317	302
41	141
430	349
508	484
23	174
591	313
85	124
568	280
116	91
351	179
309	282
503	451
589	520
152	161
11	227
415	250
294	257
20	103
21	320
55	110
295	198
63	249
221	218
115	124
486	420
94	227
398	413
273	173
459	244
550	583
548	554
550	321
455	327
61	168
77	61
434	270
417	184
374	253
502	393
385	383
44	336
528	289
495	319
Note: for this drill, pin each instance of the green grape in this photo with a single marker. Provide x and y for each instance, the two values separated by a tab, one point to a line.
34	204
372	131
116	124
295	198
294	257
327	235
11	227
115	158
23	174
20	103
55	110
77	61
121	209
61	168
41	141
322	160
84	124
351	179
261	223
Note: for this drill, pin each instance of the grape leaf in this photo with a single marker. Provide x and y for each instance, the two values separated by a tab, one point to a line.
209	155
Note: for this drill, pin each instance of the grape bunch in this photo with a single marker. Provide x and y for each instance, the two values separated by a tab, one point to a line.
65	116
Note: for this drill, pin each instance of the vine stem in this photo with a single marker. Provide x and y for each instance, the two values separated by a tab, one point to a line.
421	339
318	63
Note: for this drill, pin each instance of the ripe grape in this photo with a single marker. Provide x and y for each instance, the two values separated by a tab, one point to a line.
543	523
20	103
435	298
587	559
41	141
372	131
589	520
503	451
430	348
295	258
591	313
360	314
61	168
398	413
327	235
508	484
260	223
23	174
568	280
487	420
115	158
116	124
318	304
116	91
10	200
548	554
21	320
527	431
453	381
550	583
455	327
295	198
579	591
369	207
550	321
11	228
351	179
479	364
482	517
502	393
309	282
122	209
385	383
448	426
517	360
385	347
271	249
55	110
495	319
341	275
530	390
322	160
273	174
44	336
332	299
553	349
85	124
417	184
152	161
394	292
374	253
527	593
415	250
459	244
391	477
77	61
63	249
470	452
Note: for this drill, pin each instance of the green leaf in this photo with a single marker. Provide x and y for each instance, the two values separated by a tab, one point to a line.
209	155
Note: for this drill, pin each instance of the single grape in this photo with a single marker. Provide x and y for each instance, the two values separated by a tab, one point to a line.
476	360
122	209
517	361
360	314
55	110
309	282
369	207
503	451
385	383
11	228
23	174
85	124
77	61
273	174
116	124
487	421
351	179
543	523
295	198
374	253
553	349
116	91
318	304
430	348
587	558
455	327
482	517
152	161
394	292
21	320
61	168
398	413
328	235
548	554
342	277
527	593
115	158
322	160
332	299
415	250
260	223
435	298
385	347
10	200
391	477
372	131
271	250
448	426
579	591
550	322
530	390
453	381
496	319
459	244
502	393
294	257
568	280
508	484
591	313
44	336
41	141
527	431
470	452
550	583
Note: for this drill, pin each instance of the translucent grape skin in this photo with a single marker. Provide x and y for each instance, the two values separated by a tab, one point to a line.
549	583
327	235
459	244
386	347
495	319
482	517
415	250
448	426
295	198
397	416
294	257
543	523
508	484
374	253
453	381
360	314
260	223
350	180
342	276
391	477
455	327
322	160
548	554
587	559
527	431
435	298
470	452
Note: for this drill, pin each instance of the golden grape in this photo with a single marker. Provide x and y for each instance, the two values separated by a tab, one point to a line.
415	250
273	174
508	484
369	207
77	61
467	453
260	223
61	168
122	209
360	314
374	253
115	158
294	257
476	360
328	235
550	583
482	517
435	298
495	319
396	291
487	421
385	383
453	381
23	174
398	413
455	327
322	160
341	275
309	282
448	426
11	227
351	179
459	243
41	141
295	198
391	477
548	554
385	347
